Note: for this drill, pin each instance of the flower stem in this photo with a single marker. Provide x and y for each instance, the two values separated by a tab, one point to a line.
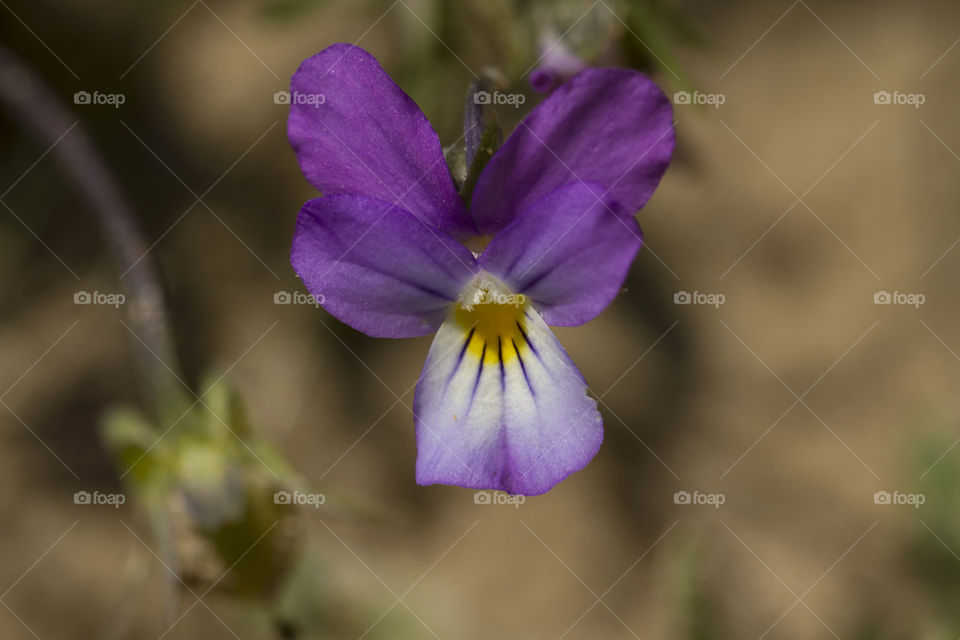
31	102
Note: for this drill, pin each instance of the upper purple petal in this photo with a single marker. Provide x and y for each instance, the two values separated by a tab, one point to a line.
613	127
568	252
355	131
376	267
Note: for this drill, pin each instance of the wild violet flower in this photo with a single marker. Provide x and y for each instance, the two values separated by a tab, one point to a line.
499	404
557	65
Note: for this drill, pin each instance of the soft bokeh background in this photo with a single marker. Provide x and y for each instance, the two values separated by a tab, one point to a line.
797	399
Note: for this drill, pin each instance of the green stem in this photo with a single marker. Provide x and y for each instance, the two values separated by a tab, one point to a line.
31	102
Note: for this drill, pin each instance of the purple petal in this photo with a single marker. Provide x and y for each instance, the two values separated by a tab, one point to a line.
376	267
355	131
610	126
568	252
502	407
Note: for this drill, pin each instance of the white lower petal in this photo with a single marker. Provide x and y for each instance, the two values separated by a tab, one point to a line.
500	405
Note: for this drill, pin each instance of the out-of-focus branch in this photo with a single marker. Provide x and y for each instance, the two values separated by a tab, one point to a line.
33	104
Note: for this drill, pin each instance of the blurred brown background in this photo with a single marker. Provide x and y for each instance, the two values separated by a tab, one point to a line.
798	199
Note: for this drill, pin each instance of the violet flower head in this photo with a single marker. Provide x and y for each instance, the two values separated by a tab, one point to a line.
557	65
499	404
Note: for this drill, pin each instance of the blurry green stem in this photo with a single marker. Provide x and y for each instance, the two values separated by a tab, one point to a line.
31	102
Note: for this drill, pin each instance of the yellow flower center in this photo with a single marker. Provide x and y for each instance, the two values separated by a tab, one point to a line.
493	319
